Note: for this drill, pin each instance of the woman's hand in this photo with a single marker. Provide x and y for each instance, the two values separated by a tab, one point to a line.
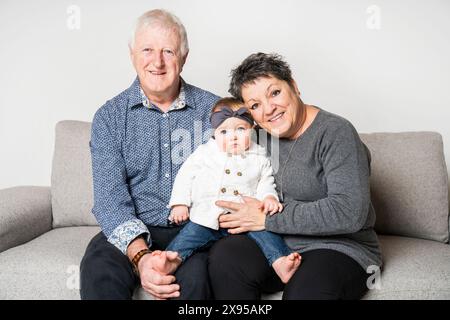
243	217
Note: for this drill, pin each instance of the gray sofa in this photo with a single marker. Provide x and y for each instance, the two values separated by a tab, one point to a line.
45	230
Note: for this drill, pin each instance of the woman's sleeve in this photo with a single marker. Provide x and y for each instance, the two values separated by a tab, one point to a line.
346	169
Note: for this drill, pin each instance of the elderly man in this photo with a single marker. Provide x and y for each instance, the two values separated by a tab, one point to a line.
134	166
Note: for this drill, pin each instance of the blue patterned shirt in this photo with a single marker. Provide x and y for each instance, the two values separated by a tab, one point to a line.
136	152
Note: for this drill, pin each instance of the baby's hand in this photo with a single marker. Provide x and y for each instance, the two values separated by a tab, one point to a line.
270	205
179	214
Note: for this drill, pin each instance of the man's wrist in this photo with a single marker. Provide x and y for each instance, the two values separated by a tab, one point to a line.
137	257
135	246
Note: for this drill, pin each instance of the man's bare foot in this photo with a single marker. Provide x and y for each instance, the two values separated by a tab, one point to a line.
286	266
166	262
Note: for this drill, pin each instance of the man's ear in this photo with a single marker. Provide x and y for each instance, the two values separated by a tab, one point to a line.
131	51
183	60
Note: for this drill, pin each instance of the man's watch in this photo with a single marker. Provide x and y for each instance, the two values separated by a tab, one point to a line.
137	257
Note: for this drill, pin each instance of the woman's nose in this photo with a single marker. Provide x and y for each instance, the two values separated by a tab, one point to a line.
269	109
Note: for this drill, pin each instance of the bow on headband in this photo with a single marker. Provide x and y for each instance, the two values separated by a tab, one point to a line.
226	112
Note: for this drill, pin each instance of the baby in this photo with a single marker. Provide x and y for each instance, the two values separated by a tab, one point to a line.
227	167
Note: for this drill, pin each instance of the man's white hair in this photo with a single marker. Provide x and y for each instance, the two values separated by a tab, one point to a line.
163	19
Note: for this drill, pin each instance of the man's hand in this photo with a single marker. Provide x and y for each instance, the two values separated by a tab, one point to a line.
157	284
243	217
179	214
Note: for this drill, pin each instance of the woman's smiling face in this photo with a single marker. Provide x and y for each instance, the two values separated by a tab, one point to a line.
275	105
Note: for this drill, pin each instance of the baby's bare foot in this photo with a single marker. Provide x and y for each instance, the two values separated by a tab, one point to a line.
164	263
286	266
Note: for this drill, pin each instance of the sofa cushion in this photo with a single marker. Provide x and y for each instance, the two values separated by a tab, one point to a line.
413	269
46	267
409	184
72	188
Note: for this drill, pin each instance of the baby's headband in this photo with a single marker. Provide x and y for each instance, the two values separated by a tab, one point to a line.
226	112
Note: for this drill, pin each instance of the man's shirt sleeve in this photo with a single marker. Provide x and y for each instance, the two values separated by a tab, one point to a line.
113	206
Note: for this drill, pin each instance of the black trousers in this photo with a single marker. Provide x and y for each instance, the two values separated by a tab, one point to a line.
238	270
106	273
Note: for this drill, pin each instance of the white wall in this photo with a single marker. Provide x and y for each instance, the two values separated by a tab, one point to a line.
396	78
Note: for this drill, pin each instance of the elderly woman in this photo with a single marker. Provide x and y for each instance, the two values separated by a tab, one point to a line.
323	180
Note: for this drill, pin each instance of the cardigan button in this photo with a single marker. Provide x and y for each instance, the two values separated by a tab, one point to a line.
236	192
223	190
227	171
239	174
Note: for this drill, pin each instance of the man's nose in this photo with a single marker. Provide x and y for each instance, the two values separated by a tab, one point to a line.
158	60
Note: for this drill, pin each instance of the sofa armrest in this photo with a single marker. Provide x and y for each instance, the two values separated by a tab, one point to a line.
25	213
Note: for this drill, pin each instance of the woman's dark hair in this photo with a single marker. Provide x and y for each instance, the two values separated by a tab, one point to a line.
258	65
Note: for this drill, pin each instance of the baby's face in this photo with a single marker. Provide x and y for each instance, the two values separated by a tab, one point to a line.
233	135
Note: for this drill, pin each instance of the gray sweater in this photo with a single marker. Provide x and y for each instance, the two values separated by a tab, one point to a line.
326	191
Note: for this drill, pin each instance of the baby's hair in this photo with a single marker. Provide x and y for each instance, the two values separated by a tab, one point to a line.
233	103
230	102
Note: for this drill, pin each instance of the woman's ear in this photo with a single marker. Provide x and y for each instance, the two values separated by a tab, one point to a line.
295	87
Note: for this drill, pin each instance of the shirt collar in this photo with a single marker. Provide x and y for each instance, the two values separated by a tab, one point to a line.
138	98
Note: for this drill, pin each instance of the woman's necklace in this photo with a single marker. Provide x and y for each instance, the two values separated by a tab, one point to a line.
289	155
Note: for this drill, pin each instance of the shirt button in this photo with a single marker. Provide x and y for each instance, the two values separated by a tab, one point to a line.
164	115
223	190
227	171
167	175
239	174
166	145
236	192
